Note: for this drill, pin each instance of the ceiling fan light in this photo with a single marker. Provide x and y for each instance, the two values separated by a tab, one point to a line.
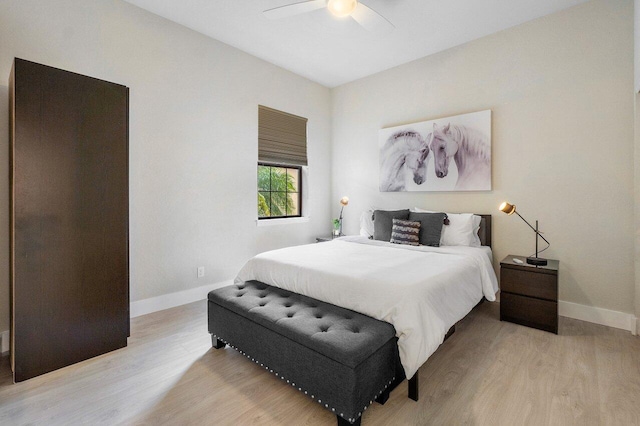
342	8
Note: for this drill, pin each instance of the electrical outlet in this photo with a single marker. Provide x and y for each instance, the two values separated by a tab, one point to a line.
200	271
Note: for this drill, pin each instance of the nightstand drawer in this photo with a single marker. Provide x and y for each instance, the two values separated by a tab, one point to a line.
544	286
536	313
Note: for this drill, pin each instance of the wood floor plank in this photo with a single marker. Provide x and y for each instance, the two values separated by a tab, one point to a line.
488	373
618	371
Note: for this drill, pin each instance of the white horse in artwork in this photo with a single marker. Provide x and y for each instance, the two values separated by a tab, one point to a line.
470	150
406	149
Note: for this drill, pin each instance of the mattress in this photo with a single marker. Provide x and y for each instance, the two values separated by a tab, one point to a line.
422	291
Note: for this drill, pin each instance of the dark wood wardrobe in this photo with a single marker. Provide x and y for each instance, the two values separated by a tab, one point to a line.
69	218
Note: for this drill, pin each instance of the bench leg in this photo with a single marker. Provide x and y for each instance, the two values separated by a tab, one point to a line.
413	387
216	343
384	396
343	422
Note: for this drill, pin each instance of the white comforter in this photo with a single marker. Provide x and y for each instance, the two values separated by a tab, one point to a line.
422	291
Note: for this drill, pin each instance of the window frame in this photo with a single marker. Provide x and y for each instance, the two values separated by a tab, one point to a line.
299	192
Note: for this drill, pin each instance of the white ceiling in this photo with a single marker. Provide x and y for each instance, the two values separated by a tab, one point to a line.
334	51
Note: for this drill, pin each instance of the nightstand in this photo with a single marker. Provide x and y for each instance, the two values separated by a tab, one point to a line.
529	294
323	239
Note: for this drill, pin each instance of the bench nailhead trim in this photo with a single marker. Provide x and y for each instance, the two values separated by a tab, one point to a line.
350	420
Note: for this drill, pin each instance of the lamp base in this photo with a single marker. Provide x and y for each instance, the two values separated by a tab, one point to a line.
537	261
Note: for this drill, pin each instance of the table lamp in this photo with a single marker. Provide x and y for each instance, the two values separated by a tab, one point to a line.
344	201
537	261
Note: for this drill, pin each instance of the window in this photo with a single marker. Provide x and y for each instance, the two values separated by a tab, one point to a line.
282	152
278	191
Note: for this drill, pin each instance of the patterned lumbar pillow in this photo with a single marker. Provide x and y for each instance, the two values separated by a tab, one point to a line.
405	232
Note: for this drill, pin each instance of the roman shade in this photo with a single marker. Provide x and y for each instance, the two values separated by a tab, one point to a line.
282	137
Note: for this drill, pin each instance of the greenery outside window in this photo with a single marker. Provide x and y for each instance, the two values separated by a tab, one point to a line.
279	191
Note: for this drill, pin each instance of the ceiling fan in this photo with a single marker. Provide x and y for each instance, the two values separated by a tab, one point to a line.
362	14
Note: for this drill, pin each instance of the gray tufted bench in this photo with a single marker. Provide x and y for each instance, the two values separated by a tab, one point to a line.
342	359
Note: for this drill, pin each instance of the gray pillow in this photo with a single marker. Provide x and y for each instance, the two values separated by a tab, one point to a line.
430	227
383	222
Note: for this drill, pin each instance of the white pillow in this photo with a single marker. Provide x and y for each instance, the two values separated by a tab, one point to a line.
366	223
462	229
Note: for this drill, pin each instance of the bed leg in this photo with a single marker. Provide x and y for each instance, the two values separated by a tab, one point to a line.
450	332
217	343
343	422
384	396
413	387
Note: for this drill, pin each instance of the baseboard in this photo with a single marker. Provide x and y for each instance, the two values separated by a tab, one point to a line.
171	300
4	342
592	314
598	316
566	309
147	306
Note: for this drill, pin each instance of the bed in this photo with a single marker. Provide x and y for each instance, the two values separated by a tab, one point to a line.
422	291
346	321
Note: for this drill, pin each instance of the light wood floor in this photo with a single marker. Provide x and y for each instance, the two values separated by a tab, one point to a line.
487	373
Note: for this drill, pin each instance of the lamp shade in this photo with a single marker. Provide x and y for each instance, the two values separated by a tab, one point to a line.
344	201
507	208
341	8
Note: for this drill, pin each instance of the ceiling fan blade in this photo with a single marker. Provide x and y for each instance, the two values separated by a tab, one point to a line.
370	19
294	9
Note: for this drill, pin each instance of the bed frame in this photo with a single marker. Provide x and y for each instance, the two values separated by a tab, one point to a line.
485	230
484	233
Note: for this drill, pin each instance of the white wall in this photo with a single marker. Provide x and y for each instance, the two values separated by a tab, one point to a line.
562	121
636	48
637	208
193	136
560	91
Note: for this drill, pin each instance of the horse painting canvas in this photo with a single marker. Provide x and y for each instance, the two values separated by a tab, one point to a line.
446	154
403	152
